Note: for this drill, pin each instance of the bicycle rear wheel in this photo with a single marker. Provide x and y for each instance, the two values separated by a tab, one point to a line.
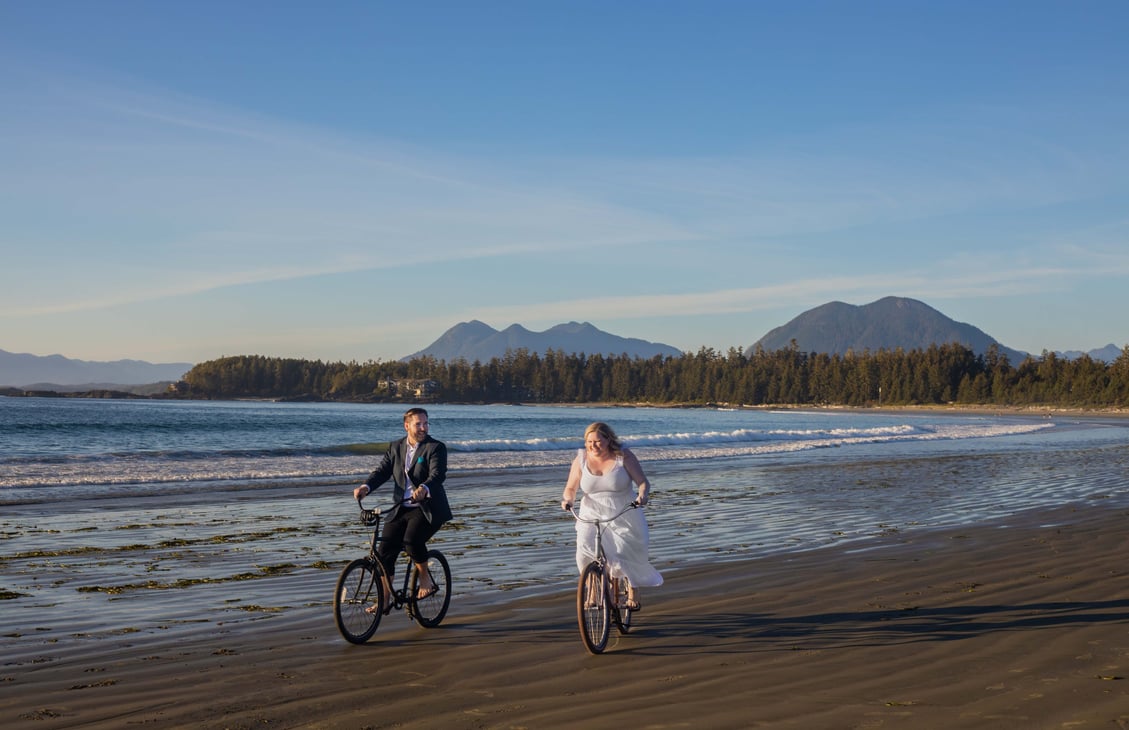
592	608
429	612
621	613
358	589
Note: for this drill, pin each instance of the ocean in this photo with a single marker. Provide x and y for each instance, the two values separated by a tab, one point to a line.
159	512
137	447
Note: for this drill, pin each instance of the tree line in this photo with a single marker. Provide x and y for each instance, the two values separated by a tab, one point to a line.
938	375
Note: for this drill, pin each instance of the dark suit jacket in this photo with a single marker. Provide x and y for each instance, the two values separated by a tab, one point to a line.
429	466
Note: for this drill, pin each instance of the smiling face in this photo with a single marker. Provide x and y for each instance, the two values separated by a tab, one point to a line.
596	444
416	427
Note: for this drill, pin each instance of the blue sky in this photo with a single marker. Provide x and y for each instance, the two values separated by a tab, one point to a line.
348	180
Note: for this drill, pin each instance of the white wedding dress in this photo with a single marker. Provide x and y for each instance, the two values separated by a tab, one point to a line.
626	540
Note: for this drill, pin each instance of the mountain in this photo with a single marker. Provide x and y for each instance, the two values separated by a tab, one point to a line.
19	370
1106	354
475	340
886	324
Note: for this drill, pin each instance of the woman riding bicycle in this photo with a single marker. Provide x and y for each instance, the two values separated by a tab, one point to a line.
605	471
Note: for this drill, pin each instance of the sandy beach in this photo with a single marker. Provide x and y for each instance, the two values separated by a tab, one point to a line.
1019	624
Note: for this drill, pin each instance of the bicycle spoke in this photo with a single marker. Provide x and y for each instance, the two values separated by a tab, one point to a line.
592	608
429	611
357	600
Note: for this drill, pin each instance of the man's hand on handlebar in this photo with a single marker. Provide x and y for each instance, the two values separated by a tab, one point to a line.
361	492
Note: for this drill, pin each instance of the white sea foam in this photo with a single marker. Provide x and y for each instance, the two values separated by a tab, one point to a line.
122	446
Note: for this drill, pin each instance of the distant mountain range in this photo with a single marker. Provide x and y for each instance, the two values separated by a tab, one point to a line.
891	323
1109	353
887	324
476	340
55	372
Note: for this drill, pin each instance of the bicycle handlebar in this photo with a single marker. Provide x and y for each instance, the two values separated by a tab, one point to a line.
633	504
370	516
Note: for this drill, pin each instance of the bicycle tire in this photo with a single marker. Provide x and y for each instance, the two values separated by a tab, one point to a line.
429	612
592	608
358	588
620	613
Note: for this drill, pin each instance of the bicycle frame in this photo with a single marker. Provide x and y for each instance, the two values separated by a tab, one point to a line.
400	598
597	595
364	587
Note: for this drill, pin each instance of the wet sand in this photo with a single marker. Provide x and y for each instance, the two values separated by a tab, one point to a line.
1023	623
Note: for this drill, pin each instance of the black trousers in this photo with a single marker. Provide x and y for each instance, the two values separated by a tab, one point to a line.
408	529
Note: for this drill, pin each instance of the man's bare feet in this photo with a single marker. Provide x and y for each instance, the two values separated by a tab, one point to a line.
387	607
426	586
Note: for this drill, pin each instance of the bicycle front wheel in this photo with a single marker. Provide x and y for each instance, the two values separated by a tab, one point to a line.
429	612
357	602
593	610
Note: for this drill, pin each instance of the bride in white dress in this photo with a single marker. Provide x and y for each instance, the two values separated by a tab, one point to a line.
604	470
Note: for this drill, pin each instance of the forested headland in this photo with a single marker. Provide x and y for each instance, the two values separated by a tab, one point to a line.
939	375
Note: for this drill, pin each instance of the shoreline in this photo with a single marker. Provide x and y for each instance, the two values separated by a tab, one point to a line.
1034	411
1042	409
1019	624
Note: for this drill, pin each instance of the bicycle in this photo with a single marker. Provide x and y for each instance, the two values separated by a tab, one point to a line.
600	599
362	585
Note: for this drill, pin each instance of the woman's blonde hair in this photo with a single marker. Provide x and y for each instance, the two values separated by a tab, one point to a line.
605	432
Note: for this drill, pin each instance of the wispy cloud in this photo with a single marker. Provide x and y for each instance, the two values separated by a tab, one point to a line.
150	196
950	280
